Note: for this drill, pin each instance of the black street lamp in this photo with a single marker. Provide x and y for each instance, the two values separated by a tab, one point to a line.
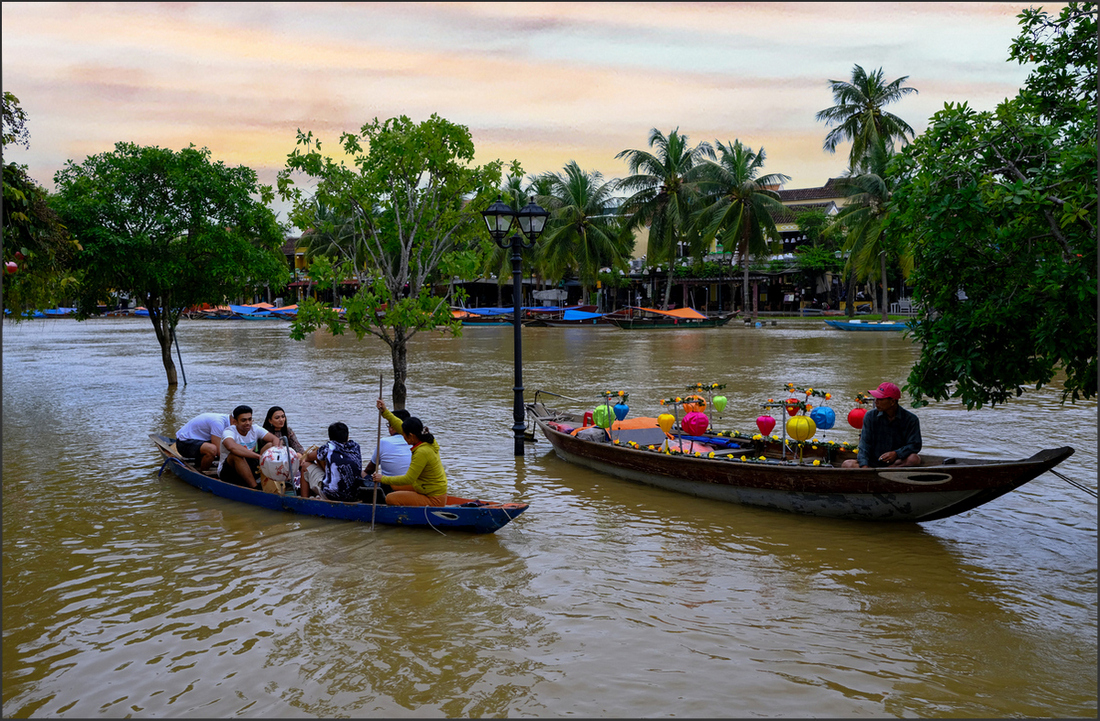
499	219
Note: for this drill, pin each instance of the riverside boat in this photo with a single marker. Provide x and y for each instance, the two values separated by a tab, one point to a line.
636	318
769	473
866	325
460	514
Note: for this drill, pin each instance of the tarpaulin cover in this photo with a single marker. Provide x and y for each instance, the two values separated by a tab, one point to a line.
678	313
580	315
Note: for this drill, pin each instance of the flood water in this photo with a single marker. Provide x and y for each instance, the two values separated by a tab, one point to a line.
129	595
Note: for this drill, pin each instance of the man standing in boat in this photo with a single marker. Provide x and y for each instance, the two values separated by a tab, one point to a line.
241	449
891	434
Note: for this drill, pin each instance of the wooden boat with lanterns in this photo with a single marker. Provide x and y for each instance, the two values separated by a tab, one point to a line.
804	477
460	514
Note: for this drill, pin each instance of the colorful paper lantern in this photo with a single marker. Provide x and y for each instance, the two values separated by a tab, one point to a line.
824	417
695	424
601	416
801	428
274	465
855	417
665	421
621	409
695	404
11	267
719	403
765	424
792	406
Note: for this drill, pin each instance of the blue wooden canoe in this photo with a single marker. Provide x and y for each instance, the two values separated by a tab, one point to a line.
460	514
864	325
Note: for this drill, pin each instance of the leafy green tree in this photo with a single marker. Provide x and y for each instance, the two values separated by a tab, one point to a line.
1000	208
170	229
664	187
582	233
742	206
36	242
413	193
859	116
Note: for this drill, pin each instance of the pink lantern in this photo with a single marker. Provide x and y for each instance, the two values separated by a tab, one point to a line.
765	424
695	423
855	417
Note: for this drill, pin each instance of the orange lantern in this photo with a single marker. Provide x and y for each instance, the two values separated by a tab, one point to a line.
695	404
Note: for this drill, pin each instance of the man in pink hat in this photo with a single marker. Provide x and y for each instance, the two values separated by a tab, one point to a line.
891	434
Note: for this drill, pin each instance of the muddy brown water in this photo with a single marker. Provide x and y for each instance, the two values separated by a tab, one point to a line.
129	595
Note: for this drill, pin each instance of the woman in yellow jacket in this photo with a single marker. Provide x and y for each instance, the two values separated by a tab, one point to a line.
425	483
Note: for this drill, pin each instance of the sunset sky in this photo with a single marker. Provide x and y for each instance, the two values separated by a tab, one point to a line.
544	83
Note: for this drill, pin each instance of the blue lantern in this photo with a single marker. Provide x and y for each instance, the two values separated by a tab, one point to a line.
621	410
824	417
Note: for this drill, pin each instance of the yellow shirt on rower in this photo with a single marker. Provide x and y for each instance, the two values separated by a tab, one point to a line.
425	474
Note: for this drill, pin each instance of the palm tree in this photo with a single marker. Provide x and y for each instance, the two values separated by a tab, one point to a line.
334	237
863	218
664	187
859	117
581	233
743	206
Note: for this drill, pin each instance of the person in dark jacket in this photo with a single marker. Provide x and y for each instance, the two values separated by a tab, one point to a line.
890	435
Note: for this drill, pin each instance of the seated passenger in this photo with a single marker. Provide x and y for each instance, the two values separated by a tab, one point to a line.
241	449
395	452
276	424
335	470
200	439
425	483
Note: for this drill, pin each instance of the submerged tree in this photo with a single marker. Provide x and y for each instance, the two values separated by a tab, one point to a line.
413	195
170	229
1000	209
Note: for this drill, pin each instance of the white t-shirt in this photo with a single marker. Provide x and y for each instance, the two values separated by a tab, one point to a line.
204	427
396	456
251	441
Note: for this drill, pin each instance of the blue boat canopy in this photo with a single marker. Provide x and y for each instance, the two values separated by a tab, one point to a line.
581	315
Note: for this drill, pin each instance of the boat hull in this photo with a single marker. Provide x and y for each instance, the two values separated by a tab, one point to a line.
869	326
669	323
486	518
924	493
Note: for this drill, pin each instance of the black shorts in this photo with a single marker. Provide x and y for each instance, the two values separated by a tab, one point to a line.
229	474
189	448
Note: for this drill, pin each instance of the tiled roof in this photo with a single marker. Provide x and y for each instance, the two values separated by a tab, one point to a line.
827	191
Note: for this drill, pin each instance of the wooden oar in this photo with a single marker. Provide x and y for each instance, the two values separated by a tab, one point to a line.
378	460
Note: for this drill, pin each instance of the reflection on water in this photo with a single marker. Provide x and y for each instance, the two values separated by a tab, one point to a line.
125	594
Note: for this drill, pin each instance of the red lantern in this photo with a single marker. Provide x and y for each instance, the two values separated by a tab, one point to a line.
792	406
11	267
855	417
765	424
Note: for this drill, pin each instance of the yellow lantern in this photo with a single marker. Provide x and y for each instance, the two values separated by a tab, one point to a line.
665	421
801	428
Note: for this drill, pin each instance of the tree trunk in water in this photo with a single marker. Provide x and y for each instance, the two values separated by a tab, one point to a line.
399	353
755	300
885	298
668	289
162	326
